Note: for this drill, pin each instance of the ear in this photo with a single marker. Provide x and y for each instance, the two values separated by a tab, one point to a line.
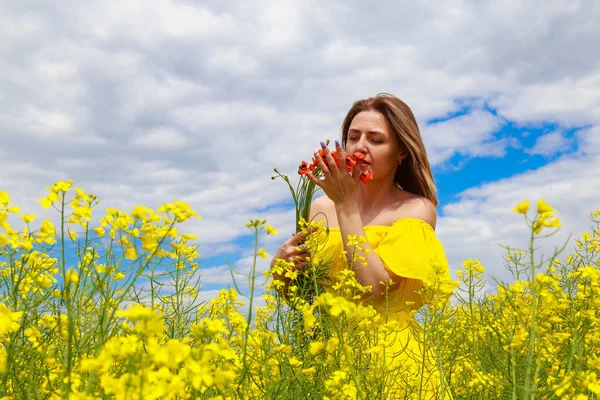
403	153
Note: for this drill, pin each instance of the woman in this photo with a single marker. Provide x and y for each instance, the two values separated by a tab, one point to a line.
395	211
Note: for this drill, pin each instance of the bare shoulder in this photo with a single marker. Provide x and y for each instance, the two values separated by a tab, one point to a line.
322	209
419	207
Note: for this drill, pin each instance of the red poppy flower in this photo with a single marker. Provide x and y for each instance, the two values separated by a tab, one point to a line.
303	169
350	162
323	157
359	155
335	157
366	176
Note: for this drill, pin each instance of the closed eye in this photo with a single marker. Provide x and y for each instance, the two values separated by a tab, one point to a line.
352	139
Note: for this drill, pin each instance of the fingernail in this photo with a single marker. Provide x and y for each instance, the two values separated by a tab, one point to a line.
323	146
337	144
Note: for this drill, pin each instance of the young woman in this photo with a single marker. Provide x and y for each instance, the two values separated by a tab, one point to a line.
395	211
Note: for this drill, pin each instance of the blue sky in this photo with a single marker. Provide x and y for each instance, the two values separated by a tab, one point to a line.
146	101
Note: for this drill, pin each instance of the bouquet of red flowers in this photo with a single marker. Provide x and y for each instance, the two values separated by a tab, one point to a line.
351	160
306	189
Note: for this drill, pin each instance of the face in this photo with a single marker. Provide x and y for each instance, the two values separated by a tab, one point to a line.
370	134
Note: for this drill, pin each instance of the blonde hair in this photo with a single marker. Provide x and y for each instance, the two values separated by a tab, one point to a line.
414	174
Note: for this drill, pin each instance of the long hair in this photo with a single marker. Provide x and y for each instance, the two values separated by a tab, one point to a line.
414	174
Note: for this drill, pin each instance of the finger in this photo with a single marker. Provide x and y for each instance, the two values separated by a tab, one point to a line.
330	161
356	171
301	263
300	258
320	163
303	248
341	156
310	229
298	237
296	262
312	178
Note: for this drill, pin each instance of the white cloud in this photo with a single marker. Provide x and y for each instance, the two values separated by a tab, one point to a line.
202	118
143	102
281	24
47	122
343	53
471	134
550	144
589	140
162	137
232	59
473	226
154	21
546	101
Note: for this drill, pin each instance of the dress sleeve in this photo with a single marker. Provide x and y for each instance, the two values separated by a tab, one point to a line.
411	250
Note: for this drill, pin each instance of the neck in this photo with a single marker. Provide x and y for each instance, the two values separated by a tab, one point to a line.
376	195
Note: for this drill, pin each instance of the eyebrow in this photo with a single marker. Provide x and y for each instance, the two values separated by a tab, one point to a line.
370	132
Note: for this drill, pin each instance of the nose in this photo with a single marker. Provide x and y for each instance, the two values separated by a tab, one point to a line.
361	145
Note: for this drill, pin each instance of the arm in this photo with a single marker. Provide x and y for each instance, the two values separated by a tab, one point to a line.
351	223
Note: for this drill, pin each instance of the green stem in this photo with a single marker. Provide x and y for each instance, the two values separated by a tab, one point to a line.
528	394
70	322
252	278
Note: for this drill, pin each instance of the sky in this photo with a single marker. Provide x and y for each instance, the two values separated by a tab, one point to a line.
148	101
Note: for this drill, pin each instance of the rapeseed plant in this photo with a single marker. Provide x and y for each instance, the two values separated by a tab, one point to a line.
113	312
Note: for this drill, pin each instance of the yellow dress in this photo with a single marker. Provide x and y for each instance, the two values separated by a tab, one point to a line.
410	249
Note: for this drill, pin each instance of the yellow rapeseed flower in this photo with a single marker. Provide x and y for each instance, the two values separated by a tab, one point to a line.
49	200
262	254
3	365
543	207
62	186
72	277
271	230
294	362
9	320
332	344
130	253
80	194
119	276
189	236
315	347
4	198
27	218
545	218
522	208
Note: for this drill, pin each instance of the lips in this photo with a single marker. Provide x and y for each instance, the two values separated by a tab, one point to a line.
363	165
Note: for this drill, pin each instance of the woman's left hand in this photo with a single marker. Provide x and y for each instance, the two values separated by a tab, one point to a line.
340	186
